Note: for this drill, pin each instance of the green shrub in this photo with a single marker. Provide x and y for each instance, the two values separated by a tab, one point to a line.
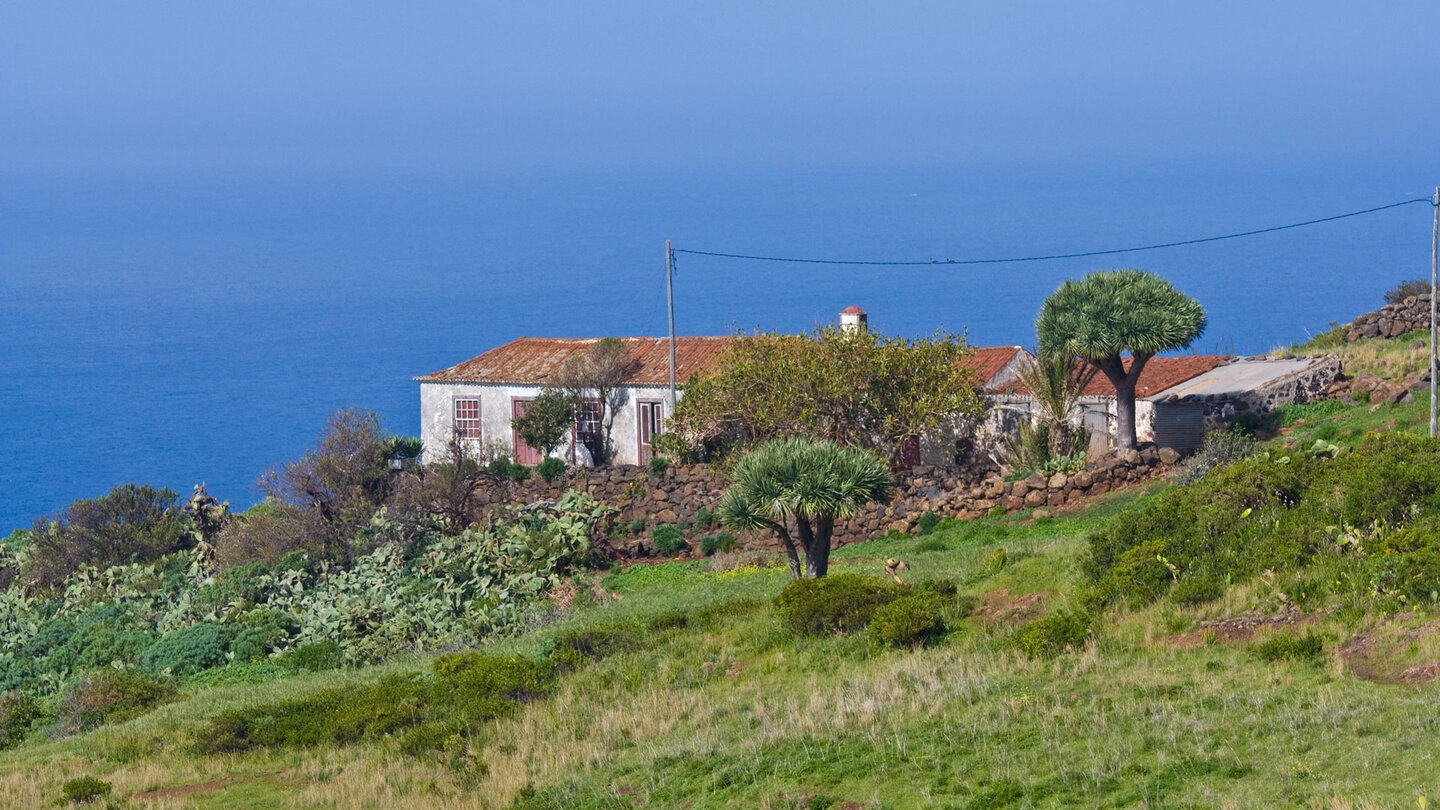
1407	289
18	712
637	526
575	648
930	544
704	518
944	588
667	539
110	695
240	673
315	656
499	467
1406	564
187	650
668	620
658	465
517	472
842	603
509	677
723	542
345	714
1288	646
926	524
1197	590
84	790
550	469
131	523
1055	633
994	561
908	621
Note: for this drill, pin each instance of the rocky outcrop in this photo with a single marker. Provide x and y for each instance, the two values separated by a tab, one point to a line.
1392	320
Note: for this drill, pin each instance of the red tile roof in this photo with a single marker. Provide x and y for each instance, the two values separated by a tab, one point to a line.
529	361
852	311
988	360
1160	373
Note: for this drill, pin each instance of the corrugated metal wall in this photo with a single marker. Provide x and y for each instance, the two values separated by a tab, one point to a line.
1179	425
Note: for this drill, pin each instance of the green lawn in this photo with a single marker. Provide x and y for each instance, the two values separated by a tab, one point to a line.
731	710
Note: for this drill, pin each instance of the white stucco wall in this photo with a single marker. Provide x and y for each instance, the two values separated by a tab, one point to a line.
437	417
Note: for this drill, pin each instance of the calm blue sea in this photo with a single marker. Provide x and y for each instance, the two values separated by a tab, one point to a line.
176	330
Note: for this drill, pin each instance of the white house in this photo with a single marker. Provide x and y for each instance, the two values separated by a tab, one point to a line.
477	399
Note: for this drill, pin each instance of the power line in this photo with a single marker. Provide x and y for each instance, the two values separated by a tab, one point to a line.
1052	256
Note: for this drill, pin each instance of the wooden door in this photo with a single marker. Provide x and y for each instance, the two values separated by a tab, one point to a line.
652	413
524	453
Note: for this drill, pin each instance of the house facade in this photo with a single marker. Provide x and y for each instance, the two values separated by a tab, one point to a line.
477	400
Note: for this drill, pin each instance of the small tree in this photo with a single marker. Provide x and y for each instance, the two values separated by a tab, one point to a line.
548	417
600	374
131	523
1108	313
864	389
806	484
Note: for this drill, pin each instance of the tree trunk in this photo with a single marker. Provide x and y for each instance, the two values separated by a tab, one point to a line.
816	541
1124	382
784	534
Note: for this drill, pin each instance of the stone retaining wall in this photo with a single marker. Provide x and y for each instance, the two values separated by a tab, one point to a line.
677	494
1392	320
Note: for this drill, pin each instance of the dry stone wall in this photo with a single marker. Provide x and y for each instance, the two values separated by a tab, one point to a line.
1392	320
681	491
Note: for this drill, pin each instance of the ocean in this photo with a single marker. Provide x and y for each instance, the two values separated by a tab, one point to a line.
178	330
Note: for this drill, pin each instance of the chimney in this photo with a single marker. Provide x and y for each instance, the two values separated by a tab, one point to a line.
853	319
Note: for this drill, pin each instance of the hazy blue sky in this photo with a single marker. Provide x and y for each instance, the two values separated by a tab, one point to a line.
393	86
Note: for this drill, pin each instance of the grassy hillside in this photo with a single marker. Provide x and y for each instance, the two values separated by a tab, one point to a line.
1268	636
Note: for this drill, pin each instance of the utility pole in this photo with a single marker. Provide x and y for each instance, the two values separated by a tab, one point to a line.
670	303
1434	282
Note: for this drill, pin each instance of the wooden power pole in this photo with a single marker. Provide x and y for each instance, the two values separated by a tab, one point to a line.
1434	282
670	303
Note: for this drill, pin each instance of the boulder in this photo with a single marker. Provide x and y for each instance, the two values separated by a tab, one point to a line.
665	516
1036	481
1131	457
1169	455
1082	479
1034	498
1019	488
1058	481
1012	503
1056	499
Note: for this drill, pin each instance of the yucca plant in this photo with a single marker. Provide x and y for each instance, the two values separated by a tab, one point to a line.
1109	313
805	484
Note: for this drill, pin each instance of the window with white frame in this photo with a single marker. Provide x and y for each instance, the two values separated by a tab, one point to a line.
467	418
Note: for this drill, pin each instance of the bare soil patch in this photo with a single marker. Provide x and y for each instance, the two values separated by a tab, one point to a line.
1004	607
1377	655
1238	628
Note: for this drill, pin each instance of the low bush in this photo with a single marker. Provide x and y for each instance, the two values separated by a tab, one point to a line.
18	712
1055	633
930	544
667	539
1220	447
110	695
187	650
1197	590
926	524
315	656
1287	646
943	587
723	542
910	621
842	603
1406	289
1406	565
658	465
637	526
575	648
550	469
84	790
704	518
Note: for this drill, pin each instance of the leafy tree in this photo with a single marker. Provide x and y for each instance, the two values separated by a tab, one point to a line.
343	479
1107	313
1405	289
599	374
861	389
547	419
132	523
805	484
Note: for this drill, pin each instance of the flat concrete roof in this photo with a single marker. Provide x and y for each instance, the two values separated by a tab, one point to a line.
1235	378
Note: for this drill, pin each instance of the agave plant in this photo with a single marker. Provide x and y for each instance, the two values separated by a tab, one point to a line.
807	484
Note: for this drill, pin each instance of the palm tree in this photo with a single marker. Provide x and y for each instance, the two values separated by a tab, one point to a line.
1055	384
805	483
1108	313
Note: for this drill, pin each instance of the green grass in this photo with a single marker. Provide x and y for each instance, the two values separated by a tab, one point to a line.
731	710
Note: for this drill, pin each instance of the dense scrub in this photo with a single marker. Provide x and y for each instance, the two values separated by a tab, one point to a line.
1281	512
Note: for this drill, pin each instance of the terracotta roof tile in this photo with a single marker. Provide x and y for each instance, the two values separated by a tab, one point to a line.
529	361
1160	373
